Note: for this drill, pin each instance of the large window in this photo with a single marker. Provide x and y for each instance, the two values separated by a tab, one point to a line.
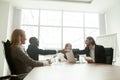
50	18
50	37
74	36
55	28
72	19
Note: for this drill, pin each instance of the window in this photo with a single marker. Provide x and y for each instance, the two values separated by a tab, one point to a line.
91	32
73	36
91	25
30	32
29	17
55	28
73	19
91	20
50	37
51	18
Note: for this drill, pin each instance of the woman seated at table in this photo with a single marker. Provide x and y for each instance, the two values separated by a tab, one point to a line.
21	61
61	53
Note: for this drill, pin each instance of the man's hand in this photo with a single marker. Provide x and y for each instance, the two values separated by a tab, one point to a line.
49	61
89	59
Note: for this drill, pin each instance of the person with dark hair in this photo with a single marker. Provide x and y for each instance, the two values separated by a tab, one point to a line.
95	53
33	50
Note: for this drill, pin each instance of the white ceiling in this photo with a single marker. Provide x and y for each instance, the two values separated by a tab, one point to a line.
95	6
78	1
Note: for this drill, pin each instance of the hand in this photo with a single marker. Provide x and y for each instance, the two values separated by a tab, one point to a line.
59	60
89	60
49	61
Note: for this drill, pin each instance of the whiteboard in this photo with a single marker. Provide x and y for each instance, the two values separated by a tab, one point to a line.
108	41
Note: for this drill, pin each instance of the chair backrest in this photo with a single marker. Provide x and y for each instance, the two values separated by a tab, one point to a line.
109	55
76	53
7	51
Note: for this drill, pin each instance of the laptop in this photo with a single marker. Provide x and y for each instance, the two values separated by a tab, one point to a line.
70	57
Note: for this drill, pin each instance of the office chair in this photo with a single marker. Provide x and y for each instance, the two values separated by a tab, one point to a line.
109	55
76	53
7	52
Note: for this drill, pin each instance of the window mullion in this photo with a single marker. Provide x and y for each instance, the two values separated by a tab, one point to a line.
39	26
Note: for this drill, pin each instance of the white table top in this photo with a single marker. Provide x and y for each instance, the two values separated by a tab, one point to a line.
78	71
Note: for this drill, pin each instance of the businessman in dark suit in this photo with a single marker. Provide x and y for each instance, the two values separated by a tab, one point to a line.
33	50
96	52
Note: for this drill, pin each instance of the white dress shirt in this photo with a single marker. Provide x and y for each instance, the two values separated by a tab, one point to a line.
92	52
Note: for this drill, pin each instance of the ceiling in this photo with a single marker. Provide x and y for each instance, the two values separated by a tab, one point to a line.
94	6
74	1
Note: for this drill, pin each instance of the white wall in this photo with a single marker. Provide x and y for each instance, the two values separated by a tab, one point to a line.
102	25
113	22
16	18
5	24
10	21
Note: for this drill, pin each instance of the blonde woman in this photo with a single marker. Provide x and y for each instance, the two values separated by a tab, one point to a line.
22	62
62	53
68	47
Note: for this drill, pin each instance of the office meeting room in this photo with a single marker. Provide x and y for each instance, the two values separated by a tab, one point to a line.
59	39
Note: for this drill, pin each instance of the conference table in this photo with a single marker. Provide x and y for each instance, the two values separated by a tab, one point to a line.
75	71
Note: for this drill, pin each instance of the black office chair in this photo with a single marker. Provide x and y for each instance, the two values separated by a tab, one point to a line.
76	53
8	57
109	55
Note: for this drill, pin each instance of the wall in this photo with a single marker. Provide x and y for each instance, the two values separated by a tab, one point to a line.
16	18
113	22
102	24
5	24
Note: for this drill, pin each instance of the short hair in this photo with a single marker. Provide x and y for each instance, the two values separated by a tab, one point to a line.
92	40
32	39
16	36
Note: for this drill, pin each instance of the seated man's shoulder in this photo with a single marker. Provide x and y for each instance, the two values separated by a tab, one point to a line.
100	46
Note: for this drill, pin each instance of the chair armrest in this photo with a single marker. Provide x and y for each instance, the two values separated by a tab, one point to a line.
21	76
8	77
14	77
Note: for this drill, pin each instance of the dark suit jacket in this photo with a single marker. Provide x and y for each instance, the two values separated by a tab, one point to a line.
22	62
33	51
99	53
